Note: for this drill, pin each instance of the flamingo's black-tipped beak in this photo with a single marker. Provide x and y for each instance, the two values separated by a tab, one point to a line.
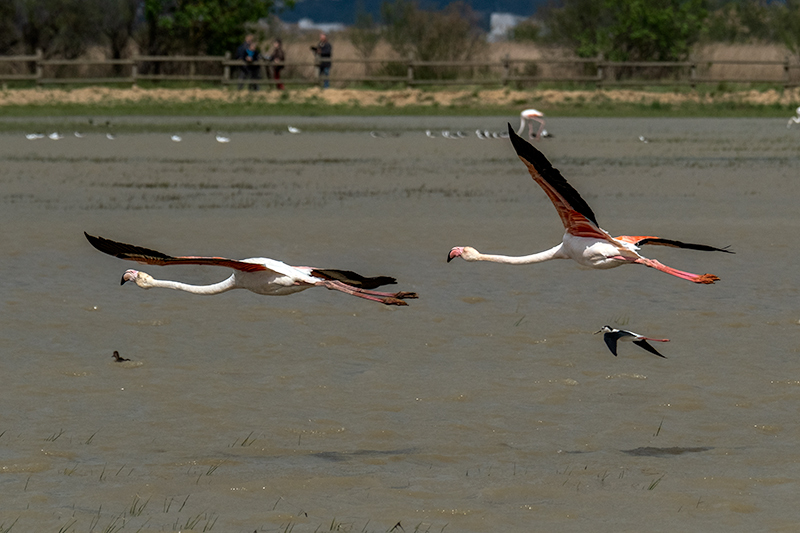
129	275
455	252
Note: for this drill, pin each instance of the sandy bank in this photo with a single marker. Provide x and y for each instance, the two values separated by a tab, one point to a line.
398	98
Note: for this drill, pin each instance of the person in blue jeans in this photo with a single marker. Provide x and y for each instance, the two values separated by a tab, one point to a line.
323	51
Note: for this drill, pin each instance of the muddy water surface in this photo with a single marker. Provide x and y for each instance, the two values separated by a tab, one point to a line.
486	405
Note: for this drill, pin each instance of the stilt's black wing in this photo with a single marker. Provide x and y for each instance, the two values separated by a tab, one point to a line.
644	344
611	342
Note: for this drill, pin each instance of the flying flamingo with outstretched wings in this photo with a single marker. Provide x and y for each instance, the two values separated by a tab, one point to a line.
584	241
258	274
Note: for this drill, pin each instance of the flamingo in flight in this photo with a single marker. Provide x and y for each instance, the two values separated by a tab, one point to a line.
612	335
584	241
258	274
528	117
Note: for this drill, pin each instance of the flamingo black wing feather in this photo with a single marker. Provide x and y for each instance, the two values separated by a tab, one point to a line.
147	256
551	175
130	252
352	278
680	244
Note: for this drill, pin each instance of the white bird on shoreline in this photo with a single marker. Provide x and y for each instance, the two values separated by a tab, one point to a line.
222	139
34	136
612	335
176	138
292	129
56	136
257	274
795	119
527	118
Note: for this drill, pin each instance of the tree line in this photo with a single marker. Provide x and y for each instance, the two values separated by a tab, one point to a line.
619	30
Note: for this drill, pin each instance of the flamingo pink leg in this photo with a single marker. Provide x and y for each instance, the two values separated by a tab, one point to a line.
388	298
652	263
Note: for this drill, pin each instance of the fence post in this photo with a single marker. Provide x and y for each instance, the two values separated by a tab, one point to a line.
600	73
134	68
39	67
506	69
693	73
226	69
410	71
786	78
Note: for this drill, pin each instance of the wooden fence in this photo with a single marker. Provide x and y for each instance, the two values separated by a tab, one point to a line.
225	71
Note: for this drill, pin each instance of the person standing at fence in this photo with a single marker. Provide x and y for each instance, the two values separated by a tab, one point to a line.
254	69
323	51
243	54
276	56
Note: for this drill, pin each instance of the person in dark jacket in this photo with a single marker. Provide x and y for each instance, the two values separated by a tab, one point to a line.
323	51
277	57
248	54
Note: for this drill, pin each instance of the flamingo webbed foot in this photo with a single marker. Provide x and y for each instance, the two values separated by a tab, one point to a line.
706	279
401	295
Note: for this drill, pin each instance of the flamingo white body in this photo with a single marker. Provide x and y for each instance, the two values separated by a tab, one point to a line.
612	335
527	118
795	119
260	275
584	241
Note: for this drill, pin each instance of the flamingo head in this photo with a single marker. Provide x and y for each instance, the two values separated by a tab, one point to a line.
466	253
142	279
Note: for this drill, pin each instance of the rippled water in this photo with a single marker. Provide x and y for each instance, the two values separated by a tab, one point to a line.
486	405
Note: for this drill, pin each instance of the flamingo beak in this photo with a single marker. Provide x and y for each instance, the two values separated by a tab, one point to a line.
129	275
455	252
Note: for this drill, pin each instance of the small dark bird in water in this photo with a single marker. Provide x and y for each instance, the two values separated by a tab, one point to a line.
612	335
118	358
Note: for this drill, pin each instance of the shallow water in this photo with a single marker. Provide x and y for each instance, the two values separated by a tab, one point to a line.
486	405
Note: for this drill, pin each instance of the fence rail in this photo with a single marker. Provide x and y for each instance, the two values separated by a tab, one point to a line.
226	71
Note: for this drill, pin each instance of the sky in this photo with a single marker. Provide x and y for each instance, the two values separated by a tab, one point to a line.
343	11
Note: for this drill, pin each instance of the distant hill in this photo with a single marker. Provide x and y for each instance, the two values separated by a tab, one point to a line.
344	11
